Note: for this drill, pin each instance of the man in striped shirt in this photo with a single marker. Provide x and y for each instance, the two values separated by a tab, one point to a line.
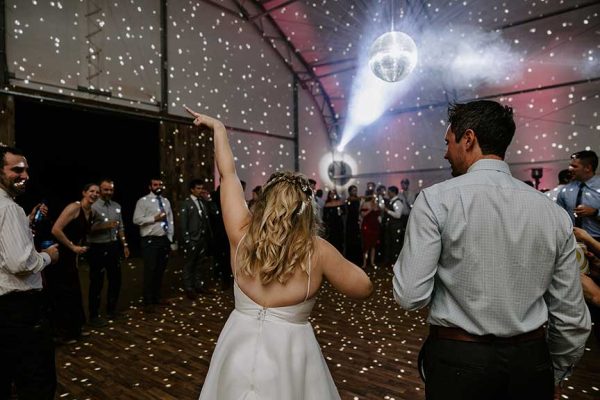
26	347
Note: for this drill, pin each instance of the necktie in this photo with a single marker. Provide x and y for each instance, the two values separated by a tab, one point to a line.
200	208
578	219
165	223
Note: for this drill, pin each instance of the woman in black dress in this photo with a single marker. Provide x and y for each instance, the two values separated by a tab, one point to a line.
62	278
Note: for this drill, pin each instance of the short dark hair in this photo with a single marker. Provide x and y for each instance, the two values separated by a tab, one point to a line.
195	182
564	176
393	189
492	123
11	150
107	180
319	193
587	157
154	178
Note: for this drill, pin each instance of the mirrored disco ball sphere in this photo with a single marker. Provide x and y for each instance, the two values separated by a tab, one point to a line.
393	56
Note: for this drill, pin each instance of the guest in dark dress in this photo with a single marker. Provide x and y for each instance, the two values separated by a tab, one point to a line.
332	220
62	278
370	228
353	239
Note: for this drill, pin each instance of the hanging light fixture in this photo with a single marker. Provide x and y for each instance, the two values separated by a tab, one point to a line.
393	55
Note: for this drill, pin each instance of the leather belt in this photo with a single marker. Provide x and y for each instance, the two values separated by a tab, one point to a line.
458	334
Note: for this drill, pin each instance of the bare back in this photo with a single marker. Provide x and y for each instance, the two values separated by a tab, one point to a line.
302	286
325	263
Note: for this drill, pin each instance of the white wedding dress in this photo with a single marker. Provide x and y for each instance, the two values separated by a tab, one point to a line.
268	354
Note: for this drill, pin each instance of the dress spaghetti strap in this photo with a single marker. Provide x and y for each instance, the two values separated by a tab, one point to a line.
308	286
235	257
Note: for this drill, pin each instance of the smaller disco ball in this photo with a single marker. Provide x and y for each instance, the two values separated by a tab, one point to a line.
393	56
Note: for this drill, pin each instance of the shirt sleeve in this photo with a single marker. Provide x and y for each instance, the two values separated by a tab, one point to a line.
415	269
397	208
568	317
139	214
16	244
171	228
560	199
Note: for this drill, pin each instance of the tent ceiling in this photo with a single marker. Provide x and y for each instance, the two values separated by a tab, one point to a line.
552	43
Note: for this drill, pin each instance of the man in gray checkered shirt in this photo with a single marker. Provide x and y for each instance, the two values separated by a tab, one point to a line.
495	261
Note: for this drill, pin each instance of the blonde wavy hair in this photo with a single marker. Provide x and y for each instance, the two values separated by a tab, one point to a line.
281	230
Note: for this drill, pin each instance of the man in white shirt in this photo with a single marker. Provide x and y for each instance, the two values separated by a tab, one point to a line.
26	347
154	216
495	261
392	222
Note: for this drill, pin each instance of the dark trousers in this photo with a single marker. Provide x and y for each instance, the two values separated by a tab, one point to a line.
26	347
104	257
155	252
487	371
195	274
394	237
63	291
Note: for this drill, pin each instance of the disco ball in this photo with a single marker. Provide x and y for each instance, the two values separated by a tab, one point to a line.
393	56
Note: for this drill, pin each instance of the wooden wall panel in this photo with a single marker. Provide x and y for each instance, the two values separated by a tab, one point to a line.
186	153
7	120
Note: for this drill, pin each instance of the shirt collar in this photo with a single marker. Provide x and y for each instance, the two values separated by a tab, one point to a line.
490	165
4	193
592	180
193	197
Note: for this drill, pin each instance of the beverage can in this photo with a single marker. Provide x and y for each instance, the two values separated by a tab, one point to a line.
46	243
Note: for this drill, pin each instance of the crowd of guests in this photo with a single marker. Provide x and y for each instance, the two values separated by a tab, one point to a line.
448	240
369	229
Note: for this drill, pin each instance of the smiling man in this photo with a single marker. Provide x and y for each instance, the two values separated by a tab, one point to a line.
26	348
495	261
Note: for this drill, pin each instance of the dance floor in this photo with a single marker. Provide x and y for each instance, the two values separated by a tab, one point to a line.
371	347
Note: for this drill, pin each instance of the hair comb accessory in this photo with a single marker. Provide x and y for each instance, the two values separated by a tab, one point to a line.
302	208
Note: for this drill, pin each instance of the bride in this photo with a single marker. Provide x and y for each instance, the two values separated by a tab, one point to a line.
267	348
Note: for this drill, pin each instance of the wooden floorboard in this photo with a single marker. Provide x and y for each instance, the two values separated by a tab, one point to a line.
371	347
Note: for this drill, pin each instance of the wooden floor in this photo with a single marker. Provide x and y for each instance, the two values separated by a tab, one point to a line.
371	347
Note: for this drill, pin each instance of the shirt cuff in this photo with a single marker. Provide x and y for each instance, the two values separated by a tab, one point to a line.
46	257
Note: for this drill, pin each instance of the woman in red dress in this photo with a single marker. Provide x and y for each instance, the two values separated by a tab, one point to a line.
369	228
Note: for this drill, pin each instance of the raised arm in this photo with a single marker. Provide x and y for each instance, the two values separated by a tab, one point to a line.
235	210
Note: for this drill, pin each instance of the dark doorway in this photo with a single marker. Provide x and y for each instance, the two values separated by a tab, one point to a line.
68	146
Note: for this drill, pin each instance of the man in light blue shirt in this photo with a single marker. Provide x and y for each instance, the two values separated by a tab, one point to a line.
581	197
495	261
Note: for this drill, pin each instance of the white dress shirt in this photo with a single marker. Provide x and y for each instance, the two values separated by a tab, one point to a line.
146	209
492	255
20	263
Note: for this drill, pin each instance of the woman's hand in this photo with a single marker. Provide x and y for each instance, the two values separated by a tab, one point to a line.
582	236
79	249
201	119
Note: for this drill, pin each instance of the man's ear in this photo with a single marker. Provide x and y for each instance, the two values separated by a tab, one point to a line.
470	139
